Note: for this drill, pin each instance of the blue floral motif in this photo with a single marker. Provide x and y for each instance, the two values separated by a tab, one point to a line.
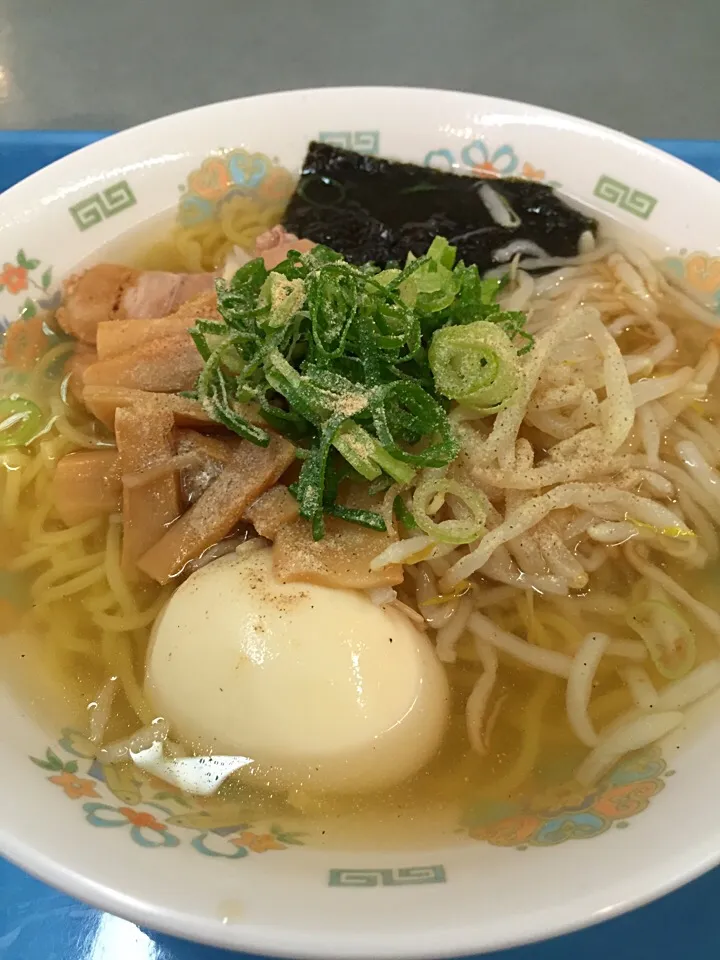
247	170
193	210
563	812
440	158
145	829
485	161
636	768
501	162
573	826
230	851
152	824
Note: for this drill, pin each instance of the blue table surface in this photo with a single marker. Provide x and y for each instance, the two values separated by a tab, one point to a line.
37	923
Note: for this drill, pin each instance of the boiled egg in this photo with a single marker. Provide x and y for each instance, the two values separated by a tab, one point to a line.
322	689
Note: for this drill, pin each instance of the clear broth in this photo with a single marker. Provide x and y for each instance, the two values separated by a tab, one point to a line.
533	751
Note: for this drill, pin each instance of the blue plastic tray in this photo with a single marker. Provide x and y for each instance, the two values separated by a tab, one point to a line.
37	923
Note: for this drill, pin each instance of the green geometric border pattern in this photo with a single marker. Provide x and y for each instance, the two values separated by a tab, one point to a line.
399	877
620	194
100	206
362	141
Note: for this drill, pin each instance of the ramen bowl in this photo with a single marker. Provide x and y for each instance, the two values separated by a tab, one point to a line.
506	874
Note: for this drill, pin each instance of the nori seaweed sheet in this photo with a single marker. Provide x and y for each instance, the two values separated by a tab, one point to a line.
372	209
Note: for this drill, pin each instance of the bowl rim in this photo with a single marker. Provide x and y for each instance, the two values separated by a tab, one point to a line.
278	941
281	940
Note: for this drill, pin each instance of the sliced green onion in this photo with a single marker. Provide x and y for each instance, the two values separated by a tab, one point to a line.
311	483
476	365
432	287
397	469
284	298
386	277
667	635
216	328
333	298
358	448
21	421
213	395
200	341
397	406
380	484
450	531
403	514
441	251
286	422
364	518
359	359
305	399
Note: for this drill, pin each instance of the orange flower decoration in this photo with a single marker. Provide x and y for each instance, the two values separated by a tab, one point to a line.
529	172
277	185
703	272
211	180
14	278
627	800
139	819
486	169
74	787
258	842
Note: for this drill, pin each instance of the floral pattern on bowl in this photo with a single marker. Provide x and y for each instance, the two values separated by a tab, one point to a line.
154	813
222	177
566	813
27	275
487	161
701	272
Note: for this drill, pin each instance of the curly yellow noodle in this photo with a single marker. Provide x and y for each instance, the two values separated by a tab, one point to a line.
30	471
201	248
243	219
117	652
83	608
68	431
531	733
119	587
39	519
11	492
46	589
555	624
100	604
69	534
114	623
239	221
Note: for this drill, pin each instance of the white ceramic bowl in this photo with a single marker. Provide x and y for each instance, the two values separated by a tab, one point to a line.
511	877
